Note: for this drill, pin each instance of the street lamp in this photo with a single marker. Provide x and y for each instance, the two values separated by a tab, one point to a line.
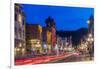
20	45
17	49
61	48
90	43
65	48
88	21
92	39
23	51
88	39
90	35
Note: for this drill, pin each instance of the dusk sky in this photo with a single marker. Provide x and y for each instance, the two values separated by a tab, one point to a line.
66	18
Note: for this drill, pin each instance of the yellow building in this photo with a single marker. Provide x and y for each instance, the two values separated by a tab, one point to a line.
49	41
49	37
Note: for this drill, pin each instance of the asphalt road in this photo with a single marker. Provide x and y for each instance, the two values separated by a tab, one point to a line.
54	59
72	58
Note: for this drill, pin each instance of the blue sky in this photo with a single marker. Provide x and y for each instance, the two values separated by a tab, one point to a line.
66	18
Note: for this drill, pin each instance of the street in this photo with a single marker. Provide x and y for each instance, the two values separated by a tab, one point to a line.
70	57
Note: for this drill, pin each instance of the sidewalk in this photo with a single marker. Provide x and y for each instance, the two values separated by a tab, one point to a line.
43	59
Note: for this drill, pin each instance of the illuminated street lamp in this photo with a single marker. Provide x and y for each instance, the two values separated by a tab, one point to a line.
92	39
61	48
65	48
20	45
90	35
17	49
90	45
88	21
88	39
23	51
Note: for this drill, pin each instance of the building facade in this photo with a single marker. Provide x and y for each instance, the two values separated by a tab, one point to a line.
51	26
34	38
19	29
90	36
47	39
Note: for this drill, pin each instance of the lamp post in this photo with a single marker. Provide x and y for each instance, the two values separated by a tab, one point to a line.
90	43
90	38
88	22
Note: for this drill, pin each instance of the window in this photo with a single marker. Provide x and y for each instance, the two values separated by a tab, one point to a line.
20	19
